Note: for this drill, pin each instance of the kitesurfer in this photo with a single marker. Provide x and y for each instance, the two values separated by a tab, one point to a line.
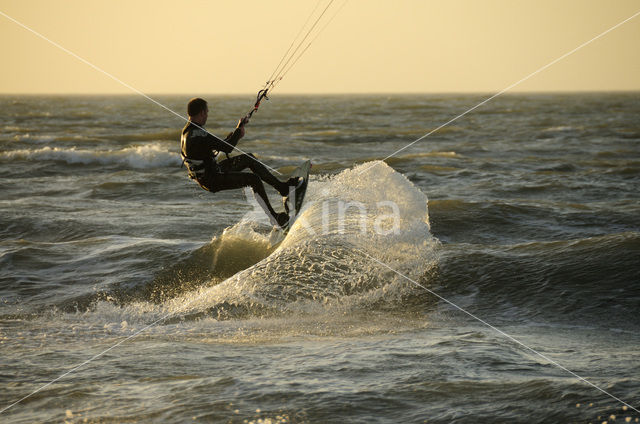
199	150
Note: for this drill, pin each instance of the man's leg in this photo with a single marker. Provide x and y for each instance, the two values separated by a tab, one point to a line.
234	180
240	162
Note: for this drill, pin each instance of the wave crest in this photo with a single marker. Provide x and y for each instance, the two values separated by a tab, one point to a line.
139	157
326	259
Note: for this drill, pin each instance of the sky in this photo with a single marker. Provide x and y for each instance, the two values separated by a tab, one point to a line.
370	46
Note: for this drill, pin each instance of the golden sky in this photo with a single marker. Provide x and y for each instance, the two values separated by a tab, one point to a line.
372	46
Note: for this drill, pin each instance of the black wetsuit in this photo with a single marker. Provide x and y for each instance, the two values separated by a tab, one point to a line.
199	149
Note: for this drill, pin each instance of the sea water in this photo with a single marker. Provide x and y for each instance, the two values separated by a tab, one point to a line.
448	282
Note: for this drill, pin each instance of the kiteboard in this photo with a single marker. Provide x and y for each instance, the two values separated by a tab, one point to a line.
298	194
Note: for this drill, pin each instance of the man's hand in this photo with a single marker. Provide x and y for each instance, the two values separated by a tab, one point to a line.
241	123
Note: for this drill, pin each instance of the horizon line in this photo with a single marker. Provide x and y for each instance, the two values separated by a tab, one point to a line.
328	93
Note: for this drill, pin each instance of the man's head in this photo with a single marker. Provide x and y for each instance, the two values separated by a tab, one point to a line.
198	110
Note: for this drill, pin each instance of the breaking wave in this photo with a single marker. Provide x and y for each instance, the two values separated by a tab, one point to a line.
139	157
331	259
349	222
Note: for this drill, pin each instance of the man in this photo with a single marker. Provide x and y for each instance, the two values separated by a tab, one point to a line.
199	150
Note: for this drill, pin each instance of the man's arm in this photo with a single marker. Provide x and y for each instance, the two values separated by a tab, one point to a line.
231	140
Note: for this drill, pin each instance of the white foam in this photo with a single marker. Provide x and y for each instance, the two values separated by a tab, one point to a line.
323	260
39	139
560	128
150	155
314	279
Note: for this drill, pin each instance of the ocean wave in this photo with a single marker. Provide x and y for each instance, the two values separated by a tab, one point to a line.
583	280
327	266
28	137
401	159
421	155
560	128
160	135
329	257
139	157
316	133
458	220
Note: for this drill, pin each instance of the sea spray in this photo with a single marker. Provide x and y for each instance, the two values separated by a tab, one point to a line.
324	258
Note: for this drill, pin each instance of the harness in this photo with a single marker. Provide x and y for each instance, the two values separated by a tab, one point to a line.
196	168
